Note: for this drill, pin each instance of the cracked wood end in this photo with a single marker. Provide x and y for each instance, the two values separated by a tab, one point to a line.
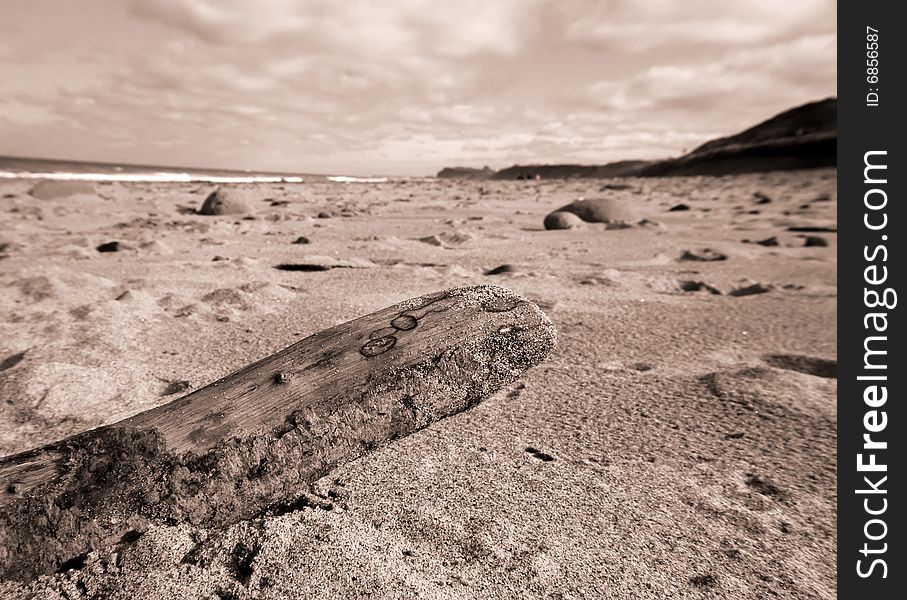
257	438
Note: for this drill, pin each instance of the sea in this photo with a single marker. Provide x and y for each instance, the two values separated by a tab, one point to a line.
64	170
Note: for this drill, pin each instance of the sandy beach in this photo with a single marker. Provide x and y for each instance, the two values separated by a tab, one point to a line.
679	443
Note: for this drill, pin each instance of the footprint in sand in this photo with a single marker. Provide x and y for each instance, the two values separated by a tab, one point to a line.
811	365
232	297
769	392
447	239
36	288
764	486
703	255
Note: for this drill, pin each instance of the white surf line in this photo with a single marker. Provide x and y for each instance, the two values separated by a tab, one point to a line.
346	179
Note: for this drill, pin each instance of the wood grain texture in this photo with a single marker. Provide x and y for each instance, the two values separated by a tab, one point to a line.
256	439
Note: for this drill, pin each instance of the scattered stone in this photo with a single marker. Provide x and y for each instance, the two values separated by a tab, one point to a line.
225	202
280	202
761	198
561	219
304	267
704	255
324	215
542	456
109	247
615	187
749	290
814	240
813	229
302	240
695	286
679	207
772	241
597	210
506	268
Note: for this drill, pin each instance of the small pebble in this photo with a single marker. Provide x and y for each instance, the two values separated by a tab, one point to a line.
109	247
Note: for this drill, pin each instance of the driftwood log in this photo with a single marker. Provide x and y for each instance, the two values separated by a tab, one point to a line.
257	439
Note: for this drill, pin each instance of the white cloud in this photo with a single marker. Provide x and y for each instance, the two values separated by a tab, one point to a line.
361	27
407	86
740	77
640	25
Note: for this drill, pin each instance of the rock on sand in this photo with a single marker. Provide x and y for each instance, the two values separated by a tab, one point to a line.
596	210
225	202
561	219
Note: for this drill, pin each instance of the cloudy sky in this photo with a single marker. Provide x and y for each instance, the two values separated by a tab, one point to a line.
399	86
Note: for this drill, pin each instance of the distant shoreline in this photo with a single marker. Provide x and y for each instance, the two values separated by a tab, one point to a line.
59	170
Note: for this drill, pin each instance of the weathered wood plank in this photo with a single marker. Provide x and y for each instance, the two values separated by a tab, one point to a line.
257	438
